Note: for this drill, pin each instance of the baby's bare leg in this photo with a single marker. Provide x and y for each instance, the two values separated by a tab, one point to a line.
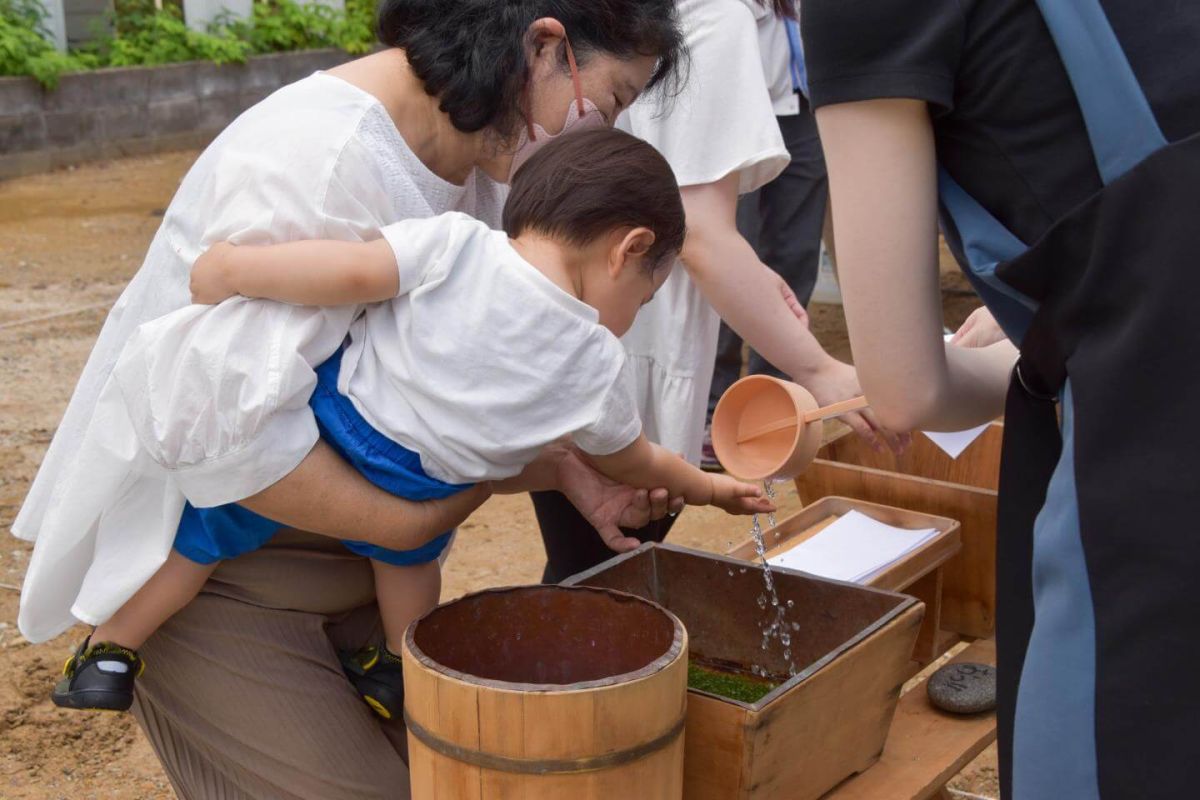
404	594
172	587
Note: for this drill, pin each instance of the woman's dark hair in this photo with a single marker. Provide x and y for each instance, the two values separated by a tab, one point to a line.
470	54
585	185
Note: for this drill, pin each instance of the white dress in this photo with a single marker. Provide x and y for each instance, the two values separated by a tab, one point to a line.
722	123
316	159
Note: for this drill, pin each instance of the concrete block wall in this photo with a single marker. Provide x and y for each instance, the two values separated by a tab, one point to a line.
136	110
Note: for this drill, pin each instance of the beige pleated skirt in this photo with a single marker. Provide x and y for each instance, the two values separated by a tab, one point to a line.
243	696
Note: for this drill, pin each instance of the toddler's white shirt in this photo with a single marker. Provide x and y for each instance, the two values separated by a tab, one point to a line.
481	360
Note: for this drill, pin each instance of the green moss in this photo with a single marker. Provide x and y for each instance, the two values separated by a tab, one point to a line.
743	688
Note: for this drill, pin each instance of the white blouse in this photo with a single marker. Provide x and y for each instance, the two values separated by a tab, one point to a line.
722	123
317	159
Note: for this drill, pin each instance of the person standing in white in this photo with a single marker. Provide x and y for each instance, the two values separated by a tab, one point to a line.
722	140
429	124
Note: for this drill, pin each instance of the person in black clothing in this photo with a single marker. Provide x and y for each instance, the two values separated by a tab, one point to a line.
1059	142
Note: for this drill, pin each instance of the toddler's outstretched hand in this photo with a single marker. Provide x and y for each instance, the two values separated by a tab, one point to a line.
736	497
212	275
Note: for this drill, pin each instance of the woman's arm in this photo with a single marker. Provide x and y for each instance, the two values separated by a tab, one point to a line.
883	187
756	303
326	495
608	505
645	465
307	273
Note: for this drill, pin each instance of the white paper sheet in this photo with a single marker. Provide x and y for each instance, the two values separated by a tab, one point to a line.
955	442
853	548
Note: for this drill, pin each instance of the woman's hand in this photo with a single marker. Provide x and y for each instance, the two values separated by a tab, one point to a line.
835	381
213	275
608	505
980	330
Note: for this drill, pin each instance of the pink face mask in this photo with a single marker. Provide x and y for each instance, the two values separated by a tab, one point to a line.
582	115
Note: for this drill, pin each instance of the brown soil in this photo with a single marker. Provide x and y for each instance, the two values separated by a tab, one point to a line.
70	240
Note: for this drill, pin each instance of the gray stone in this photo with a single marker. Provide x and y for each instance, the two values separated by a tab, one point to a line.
261	73
102	88
172	82
124	122
218	111
20	96
175	116
217	79
963	688
70	128
253	95
21	132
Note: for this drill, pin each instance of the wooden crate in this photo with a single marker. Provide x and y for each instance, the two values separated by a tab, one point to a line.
828	722
925	479
920	573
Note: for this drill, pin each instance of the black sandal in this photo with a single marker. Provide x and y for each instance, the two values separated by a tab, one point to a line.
99	677
378	675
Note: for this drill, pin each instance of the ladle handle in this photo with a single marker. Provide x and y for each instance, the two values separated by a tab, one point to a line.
770	427
837	409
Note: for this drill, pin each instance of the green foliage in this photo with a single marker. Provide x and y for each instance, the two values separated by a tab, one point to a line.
284	25
25	46
139	34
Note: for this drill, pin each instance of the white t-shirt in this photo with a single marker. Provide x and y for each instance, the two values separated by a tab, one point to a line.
721	123
481	360
317	159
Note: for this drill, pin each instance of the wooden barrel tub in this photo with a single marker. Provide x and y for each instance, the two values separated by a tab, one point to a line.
546	692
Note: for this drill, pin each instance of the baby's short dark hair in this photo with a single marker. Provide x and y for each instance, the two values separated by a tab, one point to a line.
584	185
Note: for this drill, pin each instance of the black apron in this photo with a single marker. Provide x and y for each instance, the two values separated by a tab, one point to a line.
1103	307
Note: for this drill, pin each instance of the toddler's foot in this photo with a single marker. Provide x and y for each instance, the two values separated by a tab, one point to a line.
377	674
99	676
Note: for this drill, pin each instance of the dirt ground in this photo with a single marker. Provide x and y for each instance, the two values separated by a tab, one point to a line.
70	240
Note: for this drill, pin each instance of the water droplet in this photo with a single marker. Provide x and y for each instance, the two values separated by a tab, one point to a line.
791	603
783	637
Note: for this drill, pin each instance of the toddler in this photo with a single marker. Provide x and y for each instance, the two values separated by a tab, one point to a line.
474	350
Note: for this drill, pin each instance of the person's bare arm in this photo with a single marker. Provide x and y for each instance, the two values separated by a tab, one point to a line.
325	495
645	465
757	304
606	504
306	273
883	186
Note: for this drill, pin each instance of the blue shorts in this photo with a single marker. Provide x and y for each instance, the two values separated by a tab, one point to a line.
208	535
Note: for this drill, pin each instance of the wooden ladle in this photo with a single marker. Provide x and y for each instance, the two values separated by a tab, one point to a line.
759	405
816	415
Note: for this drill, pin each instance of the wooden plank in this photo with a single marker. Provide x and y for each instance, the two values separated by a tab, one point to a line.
717	758
969	587
821	514
978	466
924	478
929	591
835	723
925	747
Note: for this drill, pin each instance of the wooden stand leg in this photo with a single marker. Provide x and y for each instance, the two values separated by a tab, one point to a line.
929	591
